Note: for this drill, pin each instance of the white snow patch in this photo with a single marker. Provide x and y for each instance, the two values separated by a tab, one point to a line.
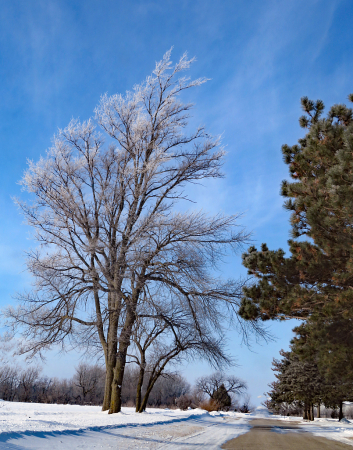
38	417
330	429
261	412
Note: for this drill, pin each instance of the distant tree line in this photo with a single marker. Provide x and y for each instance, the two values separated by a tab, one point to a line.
315	283
86	387
29	385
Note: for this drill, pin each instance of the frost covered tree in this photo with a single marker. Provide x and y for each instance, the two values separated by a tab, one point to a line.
103	213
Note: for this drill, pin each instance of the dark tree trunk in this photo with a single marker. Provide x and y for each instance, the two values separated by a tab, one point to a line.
306	415
108	386
318	411
151	383
156	373
340	416
111	345
140	383
110	362
115	401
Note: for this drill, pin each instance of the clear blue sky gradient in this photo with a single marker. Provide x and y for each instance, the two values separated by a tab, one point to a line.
57	57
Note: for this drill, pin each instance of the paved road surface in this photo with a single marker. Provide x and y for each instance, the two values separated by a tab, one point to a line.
281	435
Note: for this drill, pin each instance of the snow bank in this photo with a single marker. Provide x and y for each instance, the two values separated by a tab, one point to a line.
327	428
38	417
330	429
344	420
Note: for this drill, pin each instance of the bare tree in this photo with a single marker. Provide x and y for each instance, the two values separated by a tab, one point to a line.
167	389
146	332
245	405
167	335
8	382
103	215
87	379
164	354
27	380
44	387
211	384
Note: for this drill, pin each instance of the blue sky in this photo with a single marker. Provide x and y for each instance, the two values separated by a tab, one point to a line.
58	57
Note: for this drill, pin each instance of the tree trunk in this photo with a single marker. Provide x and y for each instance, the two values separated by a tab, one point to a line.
124	342
318	411
110	362
154	378
108	386
140	383
312	412
306	415
109	365
115	401
340	416
143	405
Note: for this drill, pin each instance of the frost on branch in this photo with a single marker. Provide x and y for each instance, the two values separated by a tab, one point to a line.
110	242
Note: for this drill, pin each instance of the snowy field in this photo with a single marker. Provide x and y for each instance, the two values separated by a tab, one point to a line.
40	426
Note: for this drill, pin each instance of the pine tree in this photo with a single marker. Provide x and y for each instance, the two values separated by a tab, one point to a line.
329	343
222	398
316	280
316	370
297	381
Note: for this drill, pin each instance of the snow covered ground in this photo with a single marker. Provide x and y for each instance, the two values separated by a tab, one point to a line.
327	428
39	417
40	426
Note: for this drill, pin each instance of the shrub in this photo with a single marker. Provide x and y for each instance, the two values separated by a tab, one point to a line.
210	405
184	401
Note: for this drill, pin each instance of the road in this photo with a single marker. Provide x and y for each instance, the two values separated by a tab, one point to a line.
276	434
